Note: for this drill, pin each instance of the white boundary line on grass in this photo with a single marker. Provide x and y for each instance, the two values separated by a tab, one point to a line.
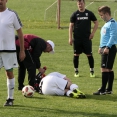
89	4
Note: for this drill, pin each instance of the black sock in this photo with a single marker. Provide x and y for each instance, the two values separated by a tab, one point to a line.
76	62
110	81
105	76
91	61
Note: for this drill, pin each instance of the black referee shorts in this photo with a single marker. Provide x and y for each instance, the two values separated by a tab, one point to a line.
107	60
82	46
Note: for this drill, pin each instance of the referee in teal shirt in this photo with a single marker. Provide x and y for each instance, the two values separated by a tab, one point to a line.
107	49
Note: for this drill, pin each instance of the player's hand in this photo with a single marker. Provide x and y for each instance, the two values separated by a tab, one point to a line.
70	41
99	51
22	55
41	70
106	51
91	36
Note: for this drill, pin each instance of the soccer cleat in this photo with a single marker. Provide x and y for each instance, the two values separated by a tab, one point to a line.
9	102
76	74
108	92
79	92
92	75
77	95
20	87
99	92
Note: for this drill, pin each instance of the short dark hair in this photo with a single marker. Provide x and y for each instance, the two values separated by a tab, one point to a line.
81	0
104	9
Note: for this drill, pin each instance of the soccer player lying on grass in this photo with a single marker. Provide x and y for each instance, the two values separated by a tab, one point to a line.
56	83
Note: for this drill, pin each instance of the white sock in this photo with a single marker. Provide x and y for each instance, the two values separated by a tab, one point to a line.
73	86
10	87
68	92
76	69
91	69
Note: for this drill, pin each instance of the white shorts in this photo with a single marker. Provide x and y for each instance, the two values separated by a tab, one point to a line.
54	85
8	60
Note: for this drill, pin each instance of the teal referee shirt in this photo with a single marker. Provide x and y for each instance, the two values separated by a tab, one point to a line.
109	34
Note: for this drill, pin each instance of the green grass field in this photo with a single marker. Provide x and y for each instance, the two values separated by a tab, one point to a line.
31	12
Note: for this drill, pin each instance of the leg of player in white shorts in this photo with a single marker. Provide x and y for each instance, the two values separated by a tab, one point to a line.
9	61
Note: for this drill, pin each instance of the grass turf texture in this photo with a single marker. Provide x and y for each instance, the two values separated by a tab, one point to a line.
32	15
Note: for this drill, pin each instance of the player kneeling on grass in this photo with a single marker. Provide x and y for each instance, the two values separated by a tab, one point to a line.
56	83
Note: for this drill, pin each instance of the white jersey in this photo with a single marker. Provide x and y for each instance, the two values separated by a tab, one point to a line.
53	84
9	22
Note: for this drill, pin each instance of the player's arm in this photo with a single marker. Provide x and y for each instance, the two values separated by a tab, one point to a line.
112	35
36	53
94	29
21	40
71	25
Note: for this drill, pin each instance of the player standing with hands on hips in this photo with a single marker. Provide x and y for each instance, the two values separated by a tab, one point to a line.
80	29
9	21
107	49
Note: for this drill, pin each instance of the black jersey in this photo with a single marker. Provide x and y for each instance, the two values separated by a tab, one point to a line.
35	45
82	23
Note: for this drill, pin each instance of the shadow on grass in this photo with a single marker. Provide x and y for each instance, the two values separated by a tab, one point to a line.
109	97
35	97
49	111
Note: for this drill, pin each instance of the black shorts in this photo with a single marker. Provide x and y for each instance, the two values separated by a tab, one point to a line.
82	46
107	60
